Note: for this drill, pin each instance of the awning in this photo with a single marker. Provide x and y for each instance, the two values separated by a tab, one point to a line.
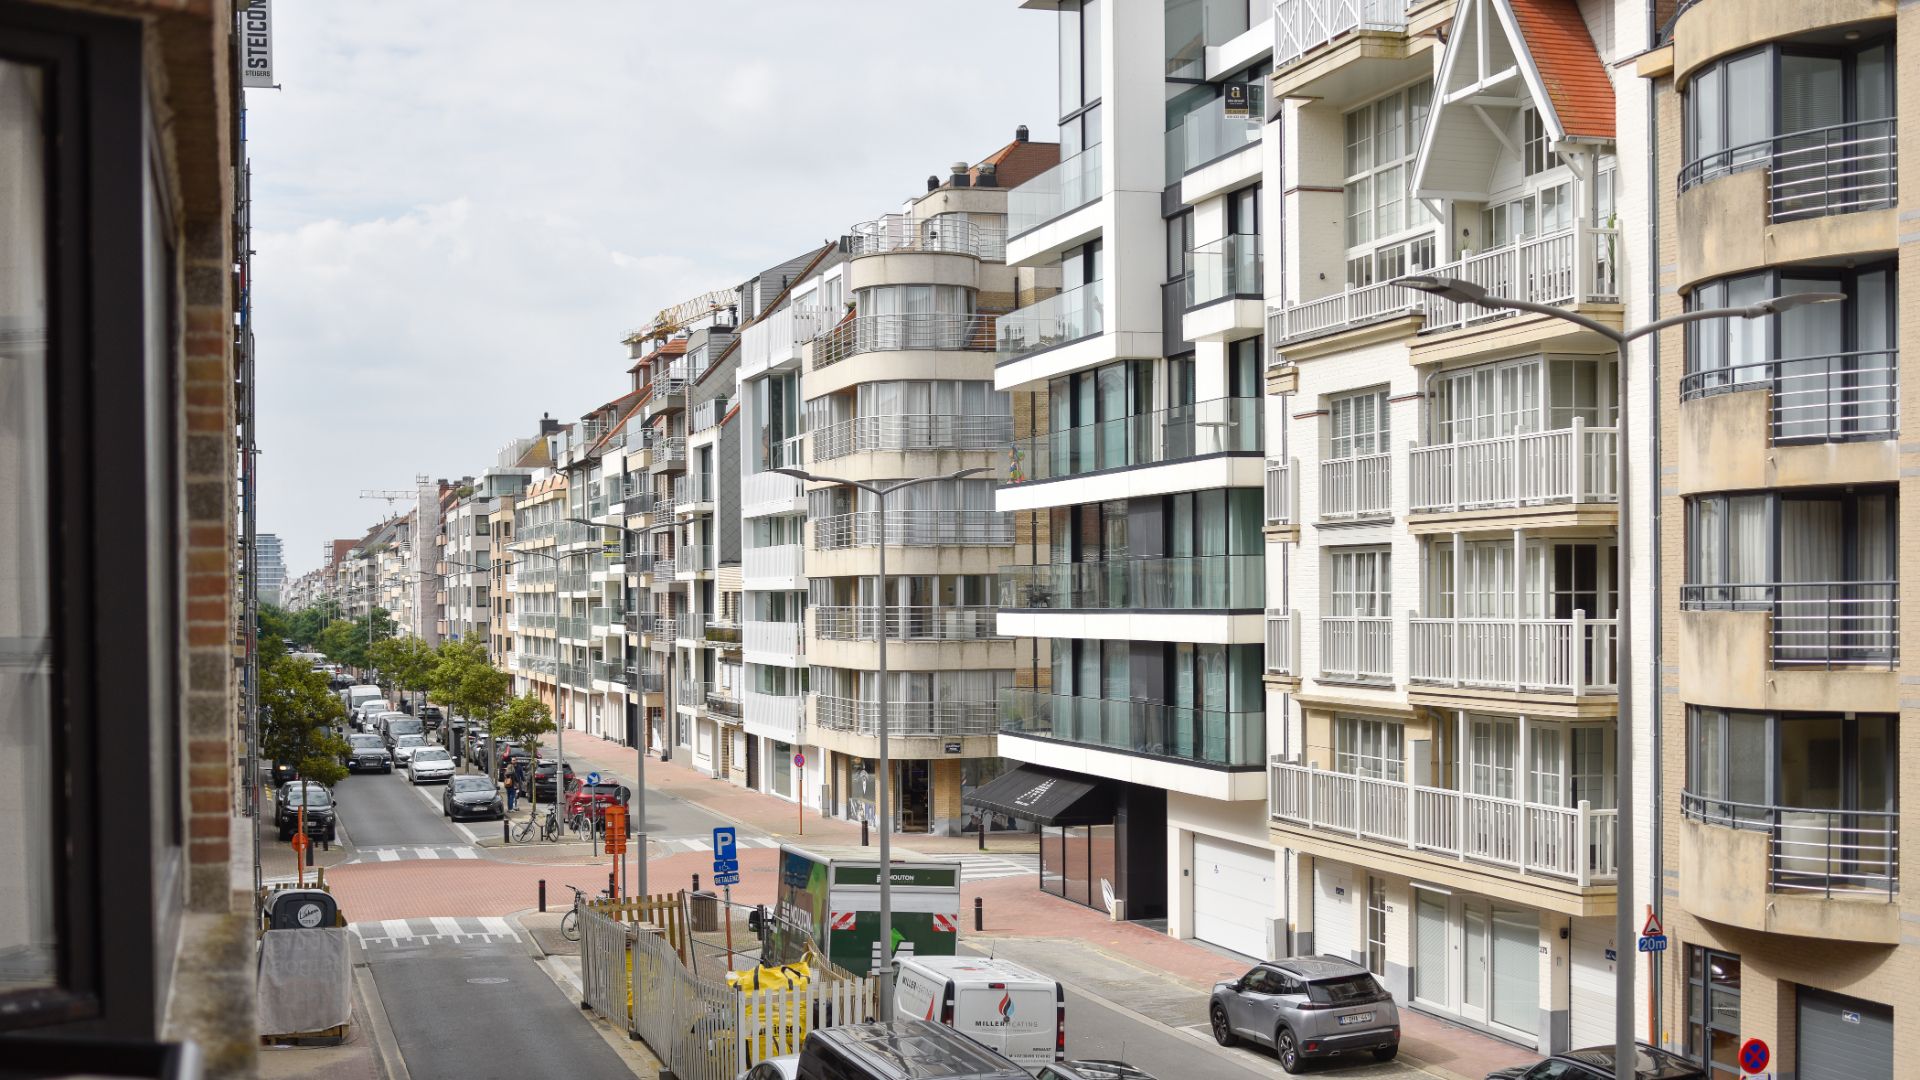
1048	796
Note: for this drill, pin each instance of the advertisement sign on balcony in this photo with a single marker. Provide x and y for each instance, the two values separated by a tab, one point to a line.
1236	101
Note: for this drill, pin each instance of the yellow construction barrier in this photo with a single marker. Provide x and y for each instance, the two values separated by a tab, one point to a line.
773	1007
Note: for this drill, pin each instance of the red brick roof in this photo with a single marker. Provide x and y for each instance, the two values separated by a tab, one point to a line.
1570	66
1018	162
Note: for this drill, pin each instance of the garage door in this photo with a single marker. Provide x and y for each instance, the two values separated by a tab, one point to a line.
1335	930
1591	1022
1844	1038
1233	896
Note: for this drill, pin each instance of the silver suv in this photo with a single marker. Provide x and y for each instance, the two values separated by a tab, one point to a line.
1307	1007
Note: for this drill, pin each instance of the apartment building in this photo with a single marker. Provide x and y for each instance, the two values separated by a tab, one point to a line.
502	621
1782	550
1441	501
538	520
271	579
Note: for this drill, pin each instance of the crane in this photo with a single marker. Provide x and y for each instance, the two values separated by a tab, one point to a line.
392	495
673	318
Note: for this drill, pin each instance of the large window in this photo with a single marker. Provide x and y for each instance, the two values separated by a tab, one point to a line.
1357	425
1361	583
1738	546
1382	139
1080	75
1369	747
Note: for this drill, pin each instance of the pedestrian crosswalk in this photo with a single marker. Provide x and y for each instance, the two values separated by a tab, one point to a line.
408	853
437	929
987	865
679	844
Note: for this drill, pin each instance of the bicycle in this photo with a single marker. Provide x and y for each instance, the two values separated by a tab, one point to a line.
570	922
548	829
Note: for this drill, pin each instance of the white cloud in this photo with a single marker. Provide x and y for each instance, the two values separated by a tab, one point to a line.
461	205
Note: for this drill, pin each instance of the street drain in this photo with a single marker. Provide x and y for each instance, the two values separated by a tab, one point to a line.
487	980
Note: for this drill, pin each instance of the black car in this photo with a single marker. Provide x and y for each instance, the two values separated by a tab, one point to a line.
509	760
432	717
903	1049
543	789
368	752
1091	1070
318	802
471	797
1596	1063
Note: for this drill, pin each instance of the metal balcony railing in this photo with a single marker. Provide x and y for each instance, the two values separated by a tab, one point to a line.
775	713
943	235
1063	317
1569	656
1282	495
1219	426
1816	623
1567	465
671	449
1060	190
1227	267
1839	169
1209	736
915	528
1283	645
706	414
1825	852
912	432
937	332
779	561
689	626
610	671
862	623
783	638
1835	398
908	718
695	558
1196	582
1356	648
1356	487
1575	843
692	489
1301	26
721	701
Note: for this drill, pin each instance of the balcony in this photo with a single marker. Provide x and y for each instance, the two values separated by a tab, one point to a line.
721	701
863	622
1220	426
670	454
1301	26
935	332
1561	656
646	682
780	638
1816	624
892	233
776	715
915	528
1060	319
1841	397
1225	268
1354	488
1282	493
776	339
706	414
1576	844
764	493
1569	465
1195	735
1283	645
610	671
1356	648
1204	582
1815	852
690	626
1211	133
696	559
912	432
1818	172
692	490
663	569
781	561
930	719
1060	190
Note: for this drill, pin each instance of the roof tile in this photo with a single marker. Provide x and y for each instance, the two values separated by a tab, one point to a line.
1569	64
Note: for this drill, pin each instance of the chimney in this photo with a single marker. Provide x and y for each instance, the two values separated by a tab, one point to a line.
989	175
933	183
959	174
1020	134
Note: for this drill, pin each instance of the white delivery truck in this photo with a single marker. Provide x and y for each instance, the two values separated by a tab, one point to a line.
997	1003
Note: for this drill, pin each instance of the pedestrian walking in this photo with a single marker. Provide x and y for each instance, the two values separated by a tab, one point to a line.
513	794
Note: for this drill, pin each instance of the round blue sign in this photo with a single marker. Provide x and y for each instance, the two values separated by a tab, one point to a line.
593	778
1754	1056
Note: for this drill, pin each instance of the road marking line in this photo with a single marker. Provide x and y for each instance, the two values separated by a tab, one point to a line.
497	926
465	853
388	855
447	927
396	928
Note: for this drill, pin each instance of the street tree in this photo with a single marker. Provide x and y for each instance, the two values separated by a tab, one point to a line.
299	718
468	684
346	642
405	663
523	721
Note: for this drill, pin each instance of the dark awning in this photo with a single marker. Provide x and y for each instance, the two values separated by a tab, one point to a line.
1048	796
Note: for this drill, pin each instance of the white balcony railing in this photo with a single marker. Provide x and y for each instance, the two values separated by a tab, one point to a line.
1300	26
1569	465
1356	487
925	718
929	432
779	561
1568	656
1356	648
780	638
914	528
767	493
1574	843
776	339
1281	495
942	235
777	715
1283	645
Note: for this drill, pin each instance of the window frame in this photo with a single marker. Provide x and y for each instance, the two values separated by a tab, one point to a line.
1418	230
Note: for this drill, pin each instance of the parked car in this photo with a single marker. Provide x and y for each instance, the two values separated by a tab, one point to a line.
543	788
593	800
1091	1070
1307	1007
317	800
429	764
432	717
780	1068
1596	1063
368	752
999	1004
404	746
901	1049
508	756
468	797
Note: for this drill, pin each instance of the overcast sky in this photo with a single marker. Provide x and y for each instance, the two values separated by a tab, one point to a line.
460	206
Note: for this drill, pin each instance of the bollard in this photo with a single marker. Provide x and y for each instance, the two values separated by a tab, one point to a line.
863	832
543	894
609	883
308	848
696	883
979	913
983	832
506	834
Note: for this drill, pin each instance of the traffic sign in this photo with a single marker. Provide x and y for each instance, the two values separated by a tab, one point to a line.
725	848
725	880
1653	943
1653	927
593	778
1754	1055
726	866
300	842
799	761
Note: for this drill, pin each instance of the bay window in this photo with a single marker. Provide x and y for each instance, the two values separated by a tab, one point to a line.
1382	139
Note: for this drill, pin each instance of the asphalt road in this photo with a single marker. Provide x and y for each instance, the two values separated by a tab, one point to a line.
384	811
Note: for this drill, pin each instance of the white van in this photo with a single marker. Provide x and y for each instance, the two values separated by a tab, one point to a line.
997	1003
357	696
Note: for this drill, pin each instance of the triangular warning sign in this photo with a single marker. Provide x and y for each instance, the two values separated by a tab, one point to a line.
1652	929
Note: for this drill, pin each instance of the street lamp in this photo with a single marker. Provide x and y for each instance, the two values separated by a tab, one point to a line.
639	755
1466	292
880	493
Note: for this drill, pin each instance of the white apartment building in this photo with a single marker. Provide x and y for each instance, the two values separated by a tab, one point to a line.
270	568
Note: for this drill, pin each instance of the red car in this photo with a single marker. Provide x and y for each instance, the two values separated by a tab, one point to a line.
592	800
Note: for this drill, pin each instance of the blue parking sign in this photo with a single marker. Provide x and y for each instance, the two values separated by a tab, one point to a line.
725	847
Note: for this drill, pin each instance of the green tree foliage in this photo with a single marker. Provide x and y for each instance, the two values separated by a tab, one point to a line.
523	721
306	626
275	630
466	682
298	718
346	642
404	663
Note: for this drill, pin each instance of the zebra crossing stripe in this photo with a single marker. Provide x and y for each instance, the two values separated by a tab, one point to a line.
396	928
446	927
465	853
388	855
425	853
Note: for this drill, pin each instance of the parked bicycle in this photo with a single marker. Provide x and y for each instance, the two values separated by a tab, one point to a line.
570	922
547	828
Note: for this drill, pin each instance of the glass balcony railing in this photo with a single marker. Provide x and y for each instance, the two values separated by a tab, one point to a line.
1212	133
934	432
914	528
1229	266
1067	186
862	623
929	331
860	716
1202	582
1222	425
1199	734
1067	316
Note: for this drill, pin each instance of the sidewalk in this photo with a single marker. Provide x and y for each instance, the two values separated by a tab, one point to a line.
1133	966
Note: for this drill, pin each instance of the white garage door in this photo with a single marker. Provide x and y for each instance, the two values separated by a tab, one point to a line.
1591	1021
1233	895
1334	925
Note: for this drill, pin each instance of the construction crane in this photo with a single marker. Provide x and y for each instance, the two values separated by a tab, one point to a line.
392	495
670	320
